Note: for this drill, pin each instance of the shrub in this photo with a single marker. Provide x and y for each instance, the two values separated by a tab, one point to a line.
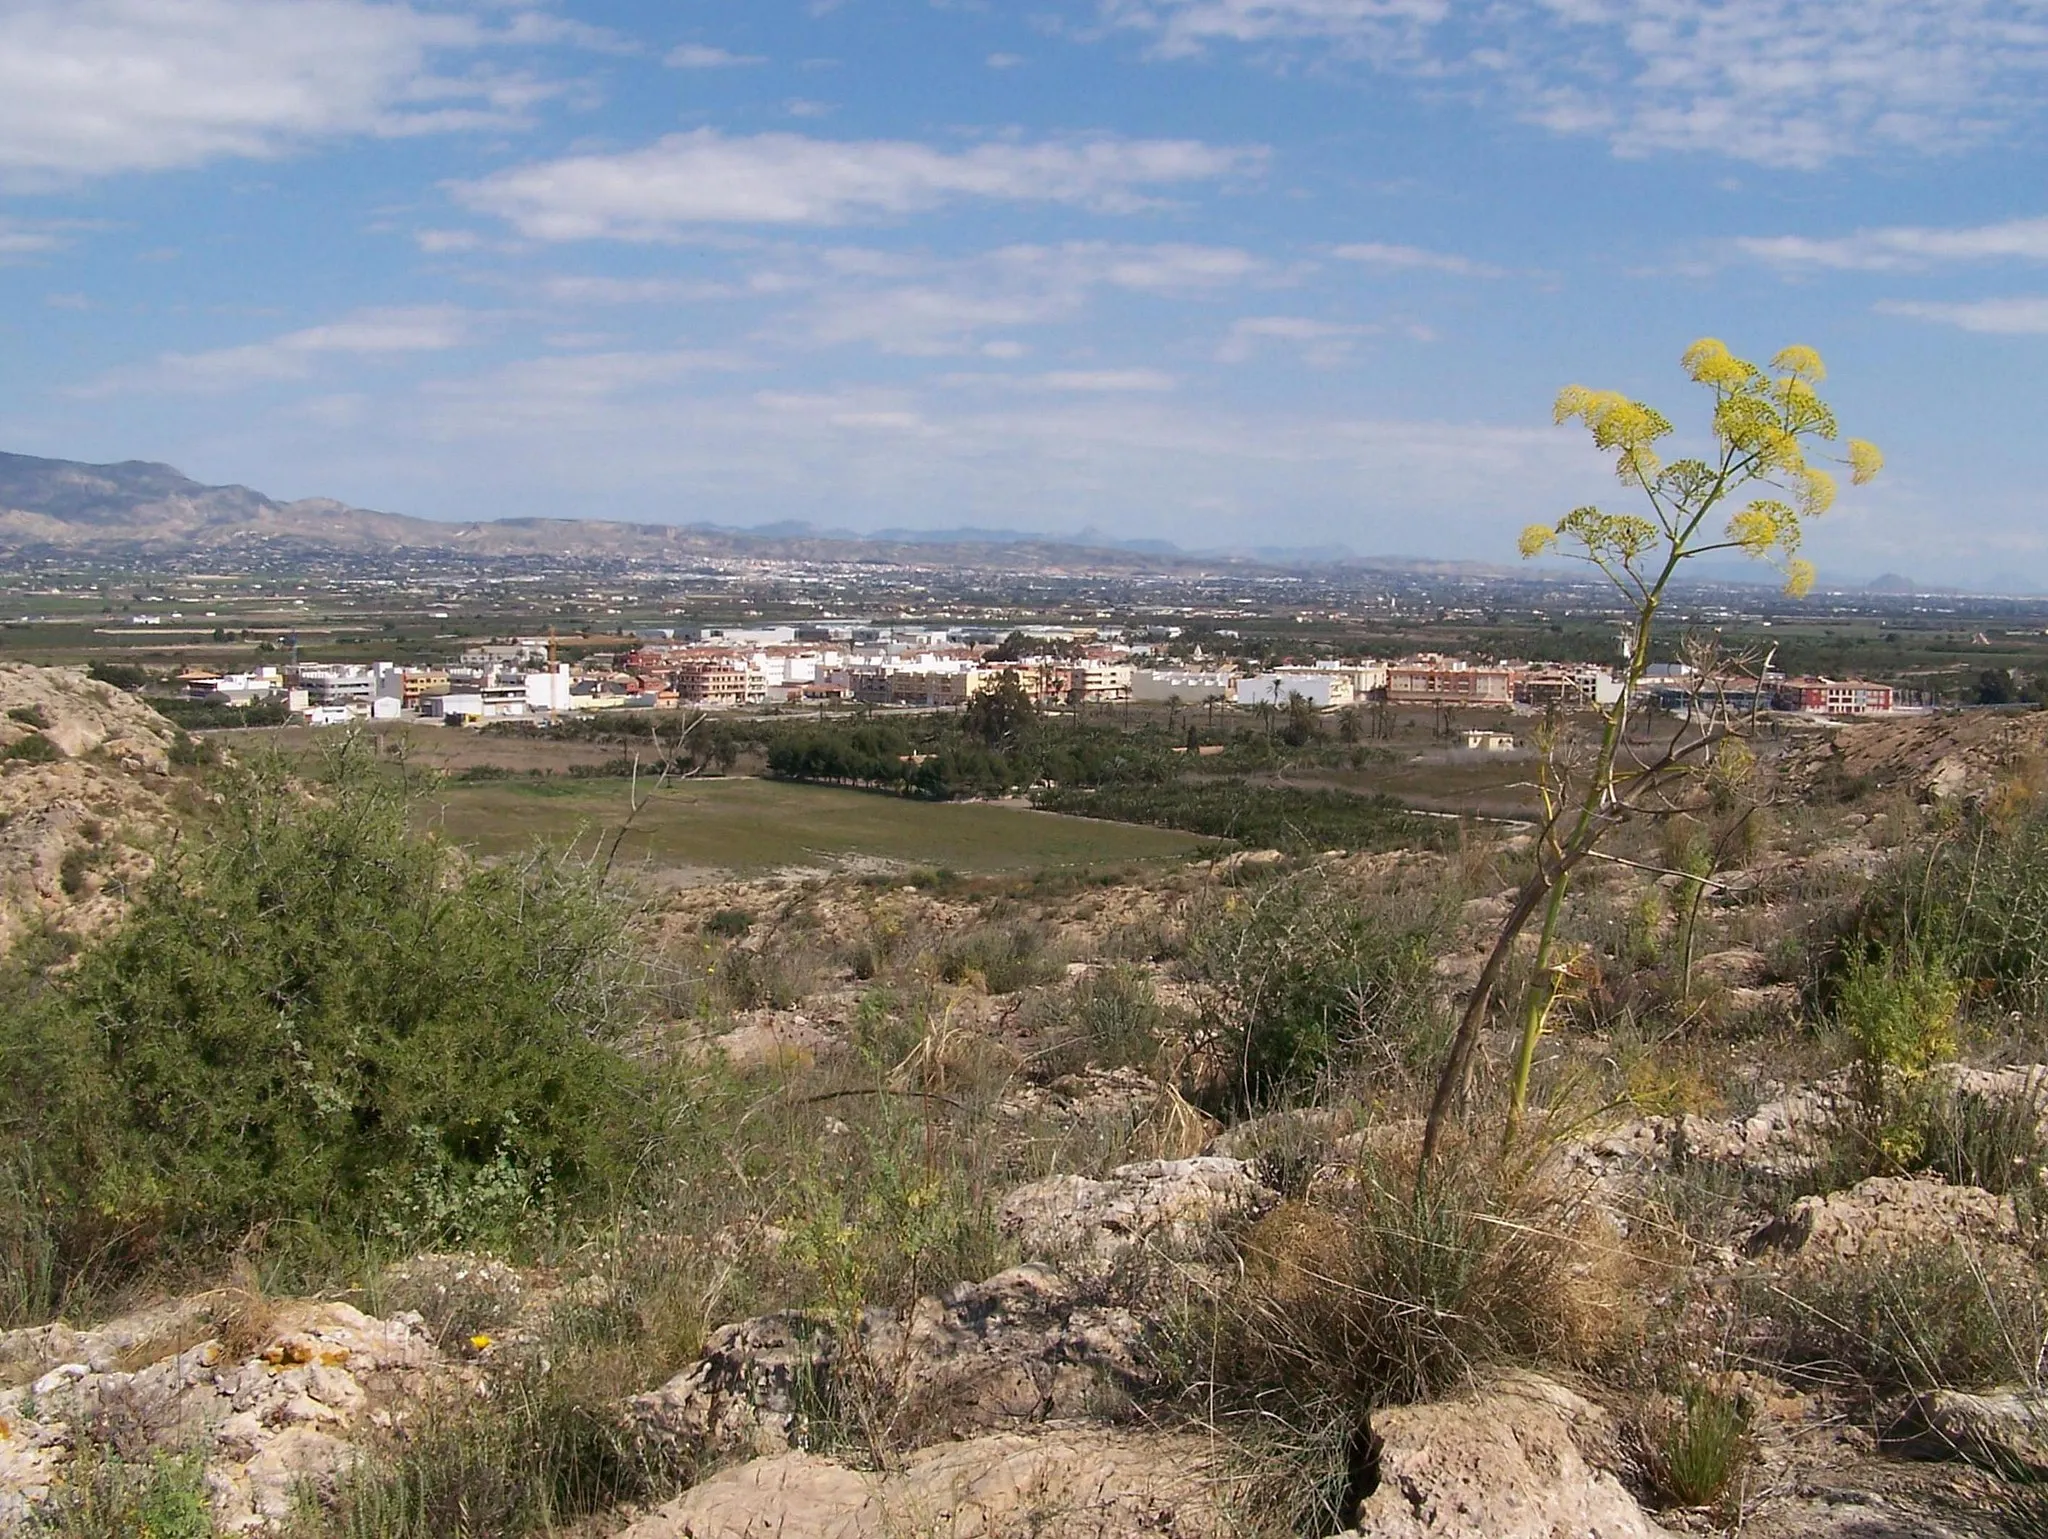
312	1017
1384	1294
105	1496
730	923
1899	1016
32	749
1936	1317
1109	1019
121	675
1306	978
1003	958
1975	901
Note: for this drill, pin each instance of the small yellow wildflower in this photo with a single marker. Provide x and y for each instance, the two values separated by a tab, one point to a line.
1755	528
1801	363
1816	491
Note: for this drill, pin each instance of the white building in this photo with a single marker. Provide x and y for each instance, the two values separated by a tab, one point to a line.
1325	689
549	689
1192	685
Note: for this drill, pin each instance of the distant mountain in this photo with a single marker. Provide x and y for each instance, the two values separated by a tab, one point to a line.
142	508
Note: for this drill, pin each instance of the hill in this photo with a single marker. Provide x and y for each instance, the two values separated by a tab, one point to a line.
141	507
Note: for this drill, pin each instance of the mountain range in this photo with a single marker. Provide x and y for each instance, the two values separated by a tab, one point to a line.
140	509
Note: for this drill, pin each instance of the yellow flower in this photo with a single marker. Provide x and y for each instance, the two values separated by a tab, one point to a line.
1536	539
1801	363
1755	528
1709	362
1865	460
1816	491
1799	575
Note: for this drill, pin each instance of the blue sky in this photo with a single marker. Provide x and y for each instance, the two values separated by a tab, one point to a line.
1227	272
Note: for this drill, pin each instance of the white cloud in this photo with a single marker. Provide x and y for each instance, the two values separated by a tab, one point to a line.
1376	28
702	56
440	242
366	333
89	87
1415	258
1901	247
19	239
1322	344
1793	83
931	308
1108	381
2018	317
709	178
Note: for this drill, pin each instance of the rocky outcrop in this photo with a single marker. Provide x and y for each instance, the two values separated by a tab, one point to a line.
1882	1217
82	798
1019	1348
1163	1209
1523	1459
276	1410
1063	1483
2005	1431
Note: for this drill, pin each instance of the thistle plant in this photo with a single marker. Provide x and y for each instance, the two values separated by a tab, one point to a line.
1752	492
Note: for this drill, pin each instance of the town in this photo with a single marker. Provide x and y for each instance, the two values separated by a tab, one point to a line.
914	666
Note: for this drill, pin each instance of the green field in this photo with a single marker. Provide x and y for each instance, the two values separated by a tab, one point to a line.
765	825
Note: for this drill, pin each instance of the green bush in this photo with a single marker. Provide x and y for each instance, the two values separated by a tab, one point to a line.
1003	957
314	1017
1109	1019
1308	978
1974	901
1899	1015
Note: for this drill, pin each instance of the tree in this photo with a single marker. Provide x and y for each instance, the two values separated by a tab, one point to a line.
1302	727
1765	425
1000	712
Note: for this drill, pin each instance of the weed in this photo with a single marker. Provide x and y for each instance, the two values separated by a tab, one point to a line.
32	749
531	1456
105	1496
1381	1294
1935	1317
1694	1454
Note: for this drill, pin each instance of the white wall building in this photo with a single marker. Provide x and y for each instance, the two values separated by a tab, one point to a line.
1193	685
1325	689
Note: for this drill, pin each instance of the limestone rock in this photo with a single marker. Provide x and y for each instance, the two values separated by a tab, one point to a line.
1019	1348
264	1422
1884	1216
1064	1483
1163	1207
1509	1462
2006	1430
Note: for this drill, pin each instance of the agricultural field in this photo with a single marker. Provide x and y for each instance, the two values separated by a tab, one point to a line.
745	826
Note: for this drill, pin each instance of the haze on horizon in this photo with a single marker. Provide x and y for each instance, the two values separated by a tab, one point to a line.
1221	272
